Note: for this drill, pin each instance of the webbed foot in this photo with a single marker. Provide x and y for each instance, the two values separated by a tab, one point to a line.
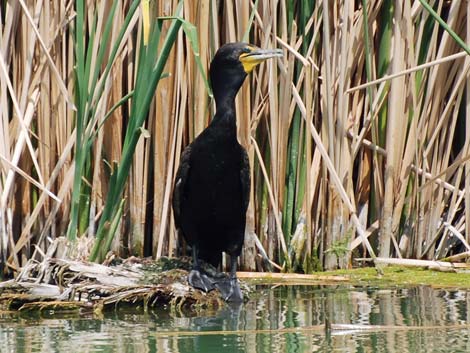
200	281
230	290
211	272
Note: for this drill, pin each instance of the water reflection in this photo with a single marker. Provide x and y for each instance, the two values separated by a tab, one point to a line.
283	319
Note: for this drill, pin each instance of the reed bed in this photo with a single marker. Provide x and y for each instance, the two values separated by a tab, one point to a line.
357	137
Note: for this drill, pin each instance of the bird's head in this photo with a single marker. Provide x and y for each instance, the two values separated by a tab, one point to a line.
232	63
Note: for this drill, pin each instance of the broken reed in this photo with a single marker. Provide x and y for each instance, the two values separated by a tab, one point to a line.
329	162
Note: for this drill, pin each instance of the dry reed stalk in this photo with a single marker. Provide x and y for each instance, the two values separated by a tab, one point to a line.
440	131
279	233
165	127
137	186
291	278
467	143
109	141
457	257
26	234
200	12
181	98
395	137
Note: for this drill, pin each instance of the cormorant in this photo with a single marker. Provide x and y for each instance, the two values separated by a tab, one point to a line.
212	185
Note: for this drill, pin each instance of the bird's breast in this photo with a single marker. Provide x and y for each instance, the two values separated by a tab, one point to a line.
215	179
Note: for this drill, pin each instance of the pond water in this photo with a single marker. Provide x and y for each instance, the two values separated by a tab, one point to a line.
275	319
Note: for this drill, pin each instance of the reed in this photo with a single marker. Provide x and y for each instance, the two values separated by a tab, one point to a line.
357	137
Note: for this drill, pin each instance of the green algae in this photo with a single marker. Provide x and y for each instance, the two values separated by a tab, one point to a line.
404	276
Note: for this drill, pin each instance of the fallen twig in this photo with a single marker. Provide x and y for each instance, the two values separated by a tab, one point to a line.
431	264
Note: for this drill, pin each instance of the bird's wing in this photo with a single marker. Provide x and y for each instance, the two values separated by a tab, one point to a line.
245	179
180	182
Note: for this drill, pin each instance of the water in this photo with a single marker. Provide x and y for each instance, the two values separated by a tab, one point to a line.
281	319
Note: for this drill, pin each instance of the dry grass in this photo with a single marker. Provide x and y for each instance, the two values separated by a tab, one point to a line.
84	288
340	169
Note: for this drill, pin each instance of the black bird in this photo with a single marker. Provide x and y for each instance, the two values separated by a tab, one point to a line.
212	186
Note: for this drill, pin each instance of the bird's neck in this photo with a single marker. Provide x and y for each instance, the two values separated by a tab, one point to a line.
225	113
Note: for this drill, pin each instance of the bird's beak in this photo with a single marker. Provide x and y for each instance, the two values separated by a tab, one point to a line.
256	56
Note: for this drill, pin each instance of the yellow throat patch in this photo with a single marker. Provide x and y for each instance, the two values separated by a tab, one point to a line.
249	63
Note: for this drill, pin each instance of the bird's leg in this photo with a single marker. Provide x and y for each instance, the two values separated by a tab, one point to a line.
235	293
228	285
195	258
196	277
